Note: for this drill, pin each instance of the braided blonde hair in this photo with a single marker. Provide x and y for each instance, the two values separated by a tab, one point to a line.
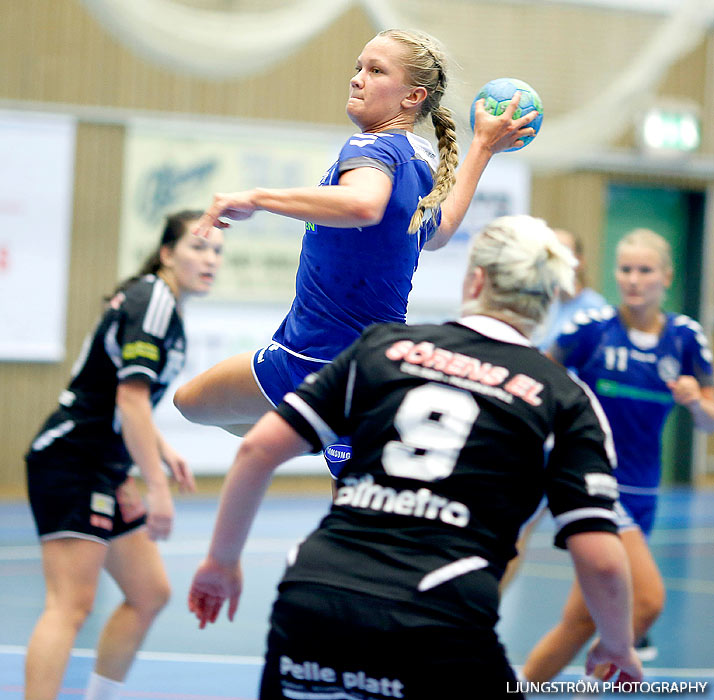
425	65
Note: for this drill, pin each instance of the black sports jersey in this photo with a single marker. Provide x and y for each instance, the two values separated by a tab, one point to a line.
140	335
449	426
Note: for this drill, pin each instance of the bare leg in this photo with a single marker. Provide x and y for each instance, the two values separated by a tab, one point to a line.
559	646
647	584
134	563
515	563
71	568
225	395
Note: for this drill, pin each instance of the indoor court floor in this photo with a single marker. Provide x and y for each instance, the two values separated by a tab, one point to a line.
223	662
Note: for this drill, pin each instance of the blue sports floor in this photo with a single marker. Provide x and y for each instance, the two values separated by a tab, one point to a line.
223	661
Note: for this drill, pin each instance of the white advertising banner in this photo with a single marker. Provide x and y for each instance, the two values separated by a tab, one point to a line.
177	166
504	189
172	166
36	187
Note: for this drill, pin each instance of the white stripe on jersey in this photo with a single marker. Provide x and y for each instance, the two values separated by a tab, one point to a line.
67	398
49	436
688	321
158	313
111	346
638	490
602	418
84	352
583	317
450	571
350	387
363	139
423	149
705	350
572	516
136	369
324	432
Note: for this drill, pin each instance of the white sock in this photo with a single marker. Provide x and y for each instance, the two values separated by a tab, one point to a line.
101	688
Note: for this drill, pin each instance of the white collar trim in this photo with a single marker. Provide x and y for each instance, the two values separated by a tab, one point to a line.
493	328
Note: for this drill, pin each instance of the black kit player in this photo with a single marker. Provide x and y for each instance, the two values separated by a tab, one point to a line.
395	595
87	514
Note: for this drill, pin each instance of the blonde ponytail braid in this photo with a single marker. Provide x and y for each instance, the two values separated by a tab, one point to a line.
445	129
425	64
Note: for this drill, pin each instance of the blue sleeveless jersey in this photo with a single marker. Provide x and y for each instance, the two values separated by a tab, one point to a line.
349	278
630	383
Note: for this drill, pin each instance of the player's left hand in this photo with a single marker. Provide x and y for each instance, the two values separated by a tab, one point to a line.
179	468
497	133
211	585
685	390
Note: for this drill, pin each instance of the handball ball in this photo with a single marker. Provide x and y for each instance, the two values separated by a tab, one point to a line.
498	93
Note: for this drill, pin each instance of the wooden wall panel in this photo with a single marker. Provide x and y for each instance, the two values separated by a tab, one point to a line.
575	202
707	120
56	52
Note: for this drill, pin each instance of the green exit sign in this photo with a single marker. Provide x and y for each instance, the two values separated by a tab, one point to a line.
670	130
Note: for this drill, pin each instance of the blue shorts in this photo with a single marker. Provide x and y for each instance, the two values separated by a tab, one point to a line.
278	372
639	510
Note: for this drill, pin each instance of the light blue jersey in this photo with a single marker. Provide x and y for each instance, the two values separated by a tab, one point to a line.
349	278
630	381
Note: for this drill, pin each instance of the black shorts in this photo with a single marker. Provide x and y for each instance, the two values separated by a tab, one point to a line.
326	642
75	496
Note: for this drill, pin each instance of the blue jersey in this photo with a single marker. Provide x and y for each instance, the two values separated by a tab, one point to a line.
349	278
630	382
560	312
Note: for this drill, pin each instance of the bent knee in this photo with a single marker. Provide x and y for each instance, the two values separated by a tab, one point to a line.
648	606
577	619
74	613
149	606
161	597
181	400
158	599
185	400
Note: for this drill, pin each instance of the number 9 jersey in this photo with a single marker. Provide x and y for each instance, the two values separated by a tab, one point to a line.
449	427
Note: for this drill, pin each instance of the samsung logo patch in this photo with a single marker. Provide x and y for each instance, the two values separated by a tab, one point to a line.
335	454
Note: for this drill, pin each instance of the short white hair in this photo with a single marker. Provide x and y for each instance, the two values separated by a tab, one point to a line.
526	265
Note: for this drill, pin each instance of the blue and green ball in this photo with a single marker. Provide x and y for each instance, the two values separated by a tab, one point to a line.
498	93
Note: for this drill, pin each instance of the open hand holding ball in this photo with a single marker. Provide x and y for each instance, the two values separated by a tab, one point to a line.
499	92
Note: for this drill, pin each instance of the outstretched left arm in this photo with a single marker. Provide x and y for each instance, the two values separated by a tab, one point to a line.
268	444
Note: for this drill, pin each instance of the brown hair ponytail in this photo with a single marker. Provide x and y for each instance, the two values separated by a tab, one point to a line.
174	229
